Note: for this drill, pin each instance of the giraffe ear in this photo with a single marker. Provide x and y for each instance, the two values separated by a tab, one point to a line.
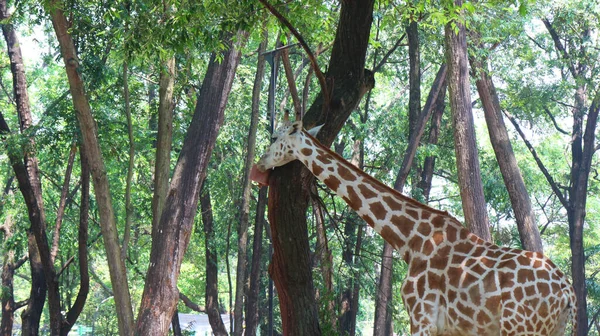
315	130
296	126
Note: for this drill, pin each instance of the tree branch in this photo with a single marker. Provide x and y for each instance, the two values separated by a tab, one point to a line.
388	54
289	75
539	162
554	121
190	304
309	53
560	47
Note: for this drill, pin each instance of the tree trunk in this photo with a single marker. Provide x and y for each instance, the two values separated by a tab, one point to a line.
63	202
175	324
288	194
519	198
8	273
131	160
465	145
583	149
252	315
212	270
84	283
87	125
32	314
436	122
162	166
27	173
242	263
160	291
383	317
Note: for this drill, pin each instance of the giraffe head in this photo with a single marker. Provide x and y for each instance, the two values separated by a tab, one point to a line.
286	140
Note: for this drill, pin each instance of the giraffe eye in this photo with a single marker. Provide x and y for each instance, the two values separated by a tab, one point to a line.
273	138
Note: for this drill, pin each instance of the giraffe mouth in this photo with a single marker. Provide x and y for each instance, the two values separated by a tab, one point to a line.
259	175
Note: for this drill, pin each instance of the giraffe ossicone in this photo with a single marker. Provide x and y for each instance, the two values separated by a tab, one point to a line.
457	283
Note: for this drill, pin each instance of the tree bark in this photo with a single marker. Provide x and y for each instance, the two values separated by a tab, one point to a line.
8	273
131	160
242	263
63	202
212	284
82	236
252	315
87	125
383	317
465	145
160	291
27	173
288	194
582	151
519	198
162	166
32	314
434	131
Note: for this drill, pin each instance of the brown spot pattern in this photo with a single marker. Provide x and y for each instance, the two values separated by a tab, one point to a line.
346	174
332	182
392	203
366	191
391	237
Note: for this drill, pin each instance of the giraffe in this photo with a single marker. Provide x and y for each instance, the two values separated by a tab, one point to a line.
457	283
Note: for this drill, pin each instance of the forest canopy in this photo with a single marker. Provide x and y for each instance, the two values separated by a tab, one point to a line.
129	129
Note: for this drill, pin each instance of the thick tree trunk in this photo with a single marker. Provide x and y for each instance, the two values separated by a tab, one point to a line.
519	198
160	292
252	306
212	284
465	145
87	125
242	263
288	194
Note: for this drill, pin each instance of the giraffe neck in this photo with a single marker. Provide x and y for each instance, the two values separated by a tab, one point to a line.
395	217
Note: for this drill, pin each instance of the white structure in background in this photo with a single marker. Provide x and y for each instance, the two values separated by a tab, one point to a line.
198	323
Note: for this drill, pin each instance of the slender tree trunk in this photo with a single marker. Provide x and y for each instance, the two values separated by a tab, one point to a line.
252	311
288	192
27	173
519	198
434	132
323	254
8	273
108	225
32	314
175	324
465	145
63	202
162	166
242	262
82	236
383	318
160	291
582	151
131	161
212	269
